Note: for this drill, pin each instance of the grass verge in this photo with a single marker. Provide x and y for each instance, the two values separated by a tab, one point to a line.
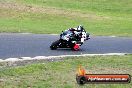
99	17
61	74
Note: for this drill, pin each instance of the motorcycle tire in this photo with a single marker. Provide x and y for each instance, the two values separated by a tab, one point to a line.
81	80
54	45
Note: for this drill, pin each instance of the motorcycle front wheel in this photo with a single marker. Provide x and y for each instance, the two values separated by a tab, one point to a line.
54	45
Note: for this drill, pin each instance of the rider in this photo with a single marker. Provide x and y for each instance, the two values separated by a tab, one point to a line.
78	34
77	30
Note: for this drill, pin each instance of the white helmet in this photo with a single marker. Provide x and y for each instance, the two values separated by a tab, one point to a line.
80	28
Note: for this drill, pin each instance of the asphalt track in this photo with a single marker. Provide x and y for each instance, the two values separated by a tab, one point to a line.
31	45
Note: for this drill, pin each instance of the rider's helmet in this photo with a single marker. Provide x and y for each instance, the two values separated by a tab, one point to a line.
72	29
80	28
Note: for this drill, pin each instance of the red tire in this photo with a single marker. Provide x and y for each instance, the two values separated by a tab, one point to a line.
76	47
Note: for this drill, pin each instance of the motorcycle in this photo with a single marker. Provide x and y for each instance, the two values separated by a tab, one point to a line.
70	40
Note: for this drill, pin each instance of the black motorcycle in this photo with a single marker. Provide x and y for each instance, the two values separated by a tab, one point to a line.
70	40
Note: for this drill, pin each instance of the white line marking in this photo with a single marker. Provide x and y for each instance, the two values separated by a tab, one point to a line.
55	57
25	57
113	36
26	33
53	34
12	59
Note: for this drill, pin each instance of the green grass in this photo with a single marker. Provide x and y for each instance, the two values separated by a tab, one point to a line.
61	74
101	6
99	17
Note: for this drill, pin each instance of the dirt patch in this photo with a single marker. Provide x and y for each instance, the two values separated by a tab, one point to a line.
49	10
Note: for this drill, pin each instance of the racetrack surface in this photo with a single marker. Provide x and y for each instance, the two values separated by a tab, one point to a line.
14	45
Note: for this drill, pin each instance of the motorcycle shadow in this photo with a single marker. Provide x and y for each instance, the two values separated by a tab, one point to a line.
68	49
